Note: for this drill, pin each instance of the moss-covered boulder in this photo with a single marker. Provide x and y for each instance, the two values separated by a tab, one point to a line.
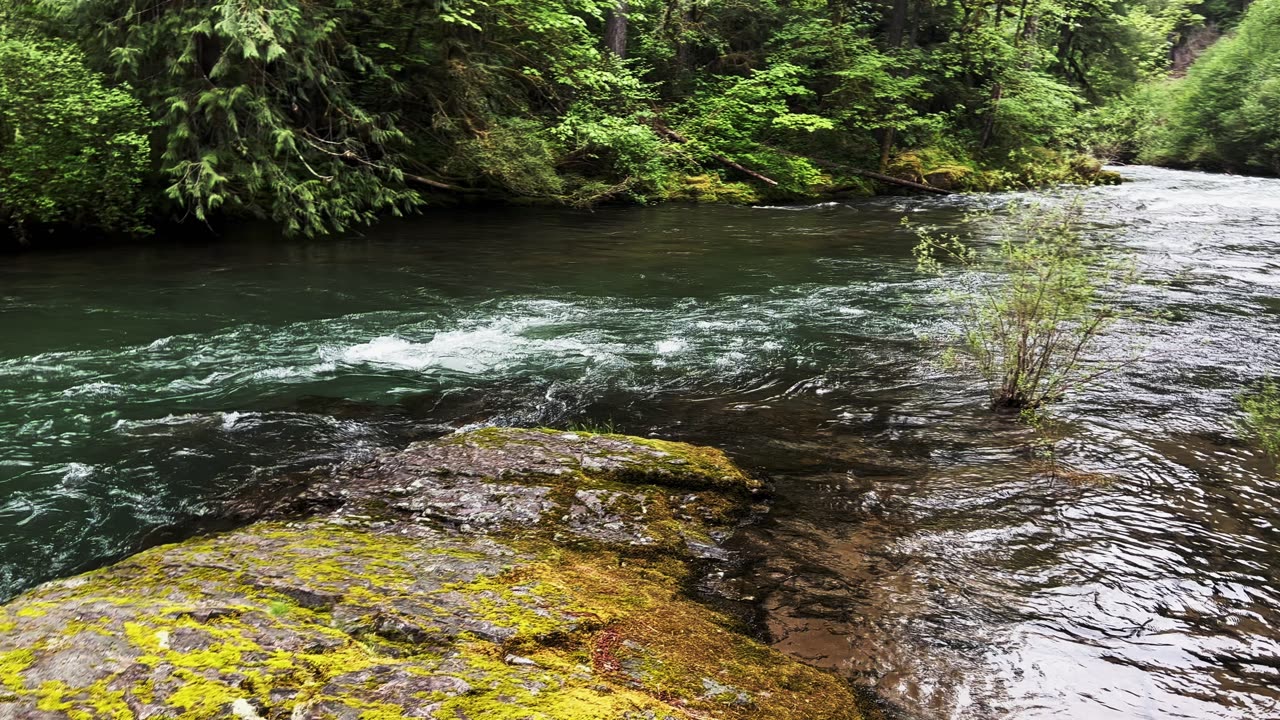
497	574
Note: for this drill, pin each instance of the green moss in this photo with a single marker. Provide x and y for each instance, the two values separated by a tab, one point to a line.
279	608
709	188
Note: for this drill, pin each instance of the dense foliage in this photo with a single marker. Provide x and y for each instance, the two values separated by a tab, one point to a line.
327	113
72	150
1225	115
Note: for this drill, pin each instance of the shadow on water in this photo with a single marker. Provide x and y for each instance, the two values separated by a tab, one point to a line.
912	546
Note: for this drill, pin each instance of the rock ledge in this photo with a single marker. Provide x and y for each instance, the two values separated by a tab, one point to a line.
500	574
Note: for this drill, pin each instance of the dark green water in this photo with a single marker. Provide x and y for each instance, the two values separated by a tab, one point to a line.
912	546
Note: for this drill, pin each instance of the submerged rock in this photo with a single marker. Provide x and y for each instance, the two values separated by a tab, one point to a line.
500	573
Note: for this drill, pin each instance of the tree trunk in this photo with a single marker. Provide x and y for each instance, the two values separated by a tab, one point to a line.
997	92
897	23
615	28
684	54
897	27
886	147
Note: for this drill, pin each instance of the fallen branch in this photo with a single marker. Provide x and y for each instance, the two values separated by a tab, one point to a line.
428	182
351	157
866	173
877	176
678	138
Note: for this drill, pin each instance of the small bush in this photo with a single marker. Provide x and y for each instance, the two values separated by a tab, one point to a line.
1262	417
1035	302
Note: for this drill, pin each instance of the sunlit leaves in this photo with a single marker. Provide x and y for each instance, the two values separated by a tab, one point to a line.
72	149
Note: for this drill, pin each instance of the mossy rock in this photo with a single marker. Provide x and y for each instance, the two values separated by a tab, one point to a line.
640	493
363	616
907	165
947	177
932	166
709	188
1108	177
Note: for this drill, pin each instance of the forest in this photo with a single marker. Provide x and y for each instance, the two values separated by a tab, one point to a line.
121	116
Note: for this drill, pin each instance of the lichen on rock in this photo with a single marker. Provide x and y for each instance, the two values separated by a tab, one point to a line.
497	574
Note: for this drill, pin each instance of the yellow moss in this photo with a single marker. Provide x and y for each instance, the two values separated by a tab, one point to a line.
380	711
495	600
907	165
1108	177
200	698
107	704
78	627
12	664
676	464
369	710
683	642
704	466
500	692
144	691
146	638
51	697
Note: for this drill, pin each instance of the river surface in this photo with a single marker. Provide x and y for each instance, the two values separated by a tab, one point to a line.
913	546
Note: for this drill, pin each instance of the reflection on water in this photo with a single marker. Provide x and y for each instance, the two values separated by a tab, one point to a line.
912	547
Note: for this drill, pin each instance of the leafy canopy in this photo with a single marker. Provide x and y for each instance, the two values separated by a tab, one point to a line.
72	150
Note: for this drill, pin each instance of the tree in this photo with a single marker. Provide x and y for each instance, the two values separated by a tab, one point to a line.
258	103
324	114
73	151
1261	421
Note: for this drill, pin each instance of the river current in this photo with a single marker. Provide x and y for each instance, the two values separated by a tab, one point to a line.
913	545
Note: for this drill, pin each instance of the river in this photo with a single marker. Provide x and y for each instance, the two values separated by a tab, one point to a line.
912	545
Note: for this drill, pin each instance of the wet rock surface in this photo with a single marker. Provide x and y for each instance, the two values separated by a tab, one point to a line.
494	574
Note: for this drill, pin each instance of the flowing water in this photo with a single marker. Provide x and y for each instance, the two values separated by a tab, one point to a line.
913	545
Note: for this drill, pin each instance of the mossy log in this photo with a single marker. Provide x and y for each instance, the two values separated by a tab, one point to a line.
495	575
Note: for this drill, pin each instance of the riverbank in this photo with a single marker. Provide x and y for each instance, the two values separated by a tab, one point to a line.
493	574
916	172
